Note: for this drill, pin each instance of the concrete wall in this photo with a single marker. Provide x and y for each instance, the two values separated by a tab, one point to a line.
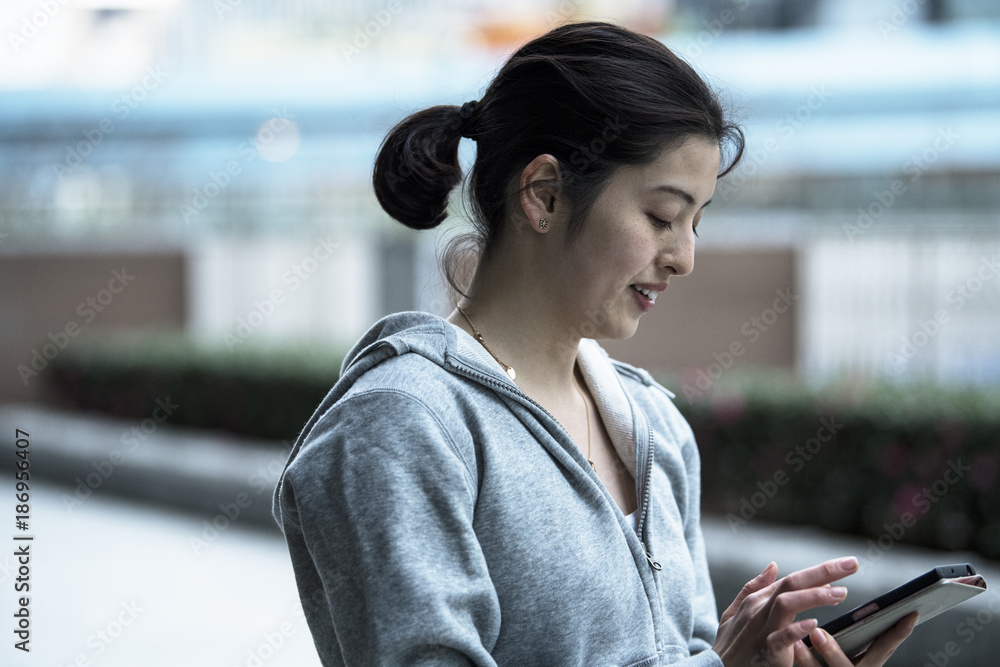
737	309
49	299
284	290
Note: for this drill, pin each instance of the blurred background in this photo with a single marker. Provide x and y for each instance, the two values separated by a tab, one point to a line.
189	243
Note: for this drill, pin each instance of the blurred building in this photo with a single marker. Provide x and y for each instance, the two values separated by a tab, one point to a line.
236	137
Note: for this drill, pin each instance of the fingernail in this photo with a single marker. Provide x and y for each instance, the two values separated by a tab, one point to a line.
838	592
769	565
848	564
818	637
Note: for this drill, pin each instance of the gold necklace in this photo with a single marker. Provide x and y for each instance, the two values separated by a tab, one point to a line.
479	337
512	375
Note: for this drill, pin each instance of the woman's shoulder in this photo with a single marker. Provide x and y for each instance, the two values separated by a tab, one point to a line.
403	406
410	382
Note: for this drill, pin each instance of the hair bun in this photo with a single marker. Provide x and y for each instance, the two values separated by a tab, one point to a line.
417	167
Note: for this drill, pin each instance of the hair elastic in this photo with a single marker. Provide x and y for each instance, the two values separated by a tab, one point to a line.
465	114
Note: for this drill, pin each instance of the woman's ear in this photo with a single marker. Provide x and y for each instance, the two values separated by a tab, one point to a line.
541	189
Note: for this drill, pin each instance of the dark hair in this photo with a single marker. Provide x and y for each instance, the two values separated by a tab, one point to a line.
594	95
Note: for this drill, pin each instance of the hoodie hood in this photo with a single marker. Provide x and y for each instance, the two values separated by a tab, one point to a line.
452	348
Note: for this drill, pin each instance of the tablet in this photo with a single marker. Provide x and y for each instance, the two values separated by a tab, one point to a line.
929	594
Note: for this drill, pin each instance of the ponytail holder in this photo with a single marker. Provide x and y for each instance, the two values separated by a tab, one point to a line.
465	116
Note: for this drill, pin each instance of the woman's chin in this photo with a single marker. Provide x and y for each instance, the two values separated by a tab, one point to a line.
626	332
617	330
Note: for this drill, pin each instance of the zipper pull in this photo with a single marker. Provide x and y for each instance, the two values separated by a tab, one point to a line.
652	563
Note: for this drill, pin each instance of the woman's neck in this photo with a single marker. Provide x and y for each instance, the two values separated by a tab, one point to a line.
524	327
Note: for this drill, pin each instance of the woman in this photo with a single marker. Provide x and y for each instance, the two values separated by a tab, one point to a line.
491	488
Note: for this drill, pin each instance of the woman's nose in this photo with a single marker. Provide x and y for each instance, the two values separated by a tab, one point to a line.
678	253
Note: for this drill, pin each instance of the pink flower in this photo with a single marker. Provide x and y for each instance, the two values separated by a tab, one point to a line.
729	410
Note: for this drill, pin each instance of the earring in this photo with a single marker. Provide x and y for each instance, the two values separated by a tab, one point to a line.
543	223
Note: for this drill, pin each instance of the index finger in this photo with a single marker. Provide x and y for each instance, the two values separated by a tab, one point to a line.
820	575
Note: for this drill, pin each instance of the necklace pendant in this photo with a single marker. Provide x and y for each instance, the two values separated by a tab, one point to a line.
510	372
591	465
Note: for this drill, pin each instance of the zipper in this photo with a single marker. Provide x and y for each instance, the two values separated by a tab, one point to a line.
647	468
647	475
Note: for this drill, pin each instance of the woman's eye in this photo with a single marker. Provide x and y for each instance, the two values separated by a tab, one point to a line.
660	224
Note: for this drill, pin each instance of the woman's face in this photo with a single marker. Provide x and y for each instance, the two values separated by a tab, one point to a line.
639	233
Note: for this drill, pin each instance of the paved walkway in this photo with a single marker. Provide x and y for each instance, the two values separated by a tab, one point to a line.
117	584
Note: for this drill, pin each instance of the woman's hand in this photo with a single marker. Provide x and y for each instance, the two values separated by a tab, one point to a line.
759	627
876	655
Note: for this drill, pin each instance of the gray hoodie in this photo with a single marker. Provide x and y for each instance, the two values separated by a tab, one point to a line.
437	515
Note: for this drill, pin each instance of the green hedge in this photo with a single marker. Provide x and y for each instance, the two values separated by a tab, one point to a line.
252	390
910	464
915	464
